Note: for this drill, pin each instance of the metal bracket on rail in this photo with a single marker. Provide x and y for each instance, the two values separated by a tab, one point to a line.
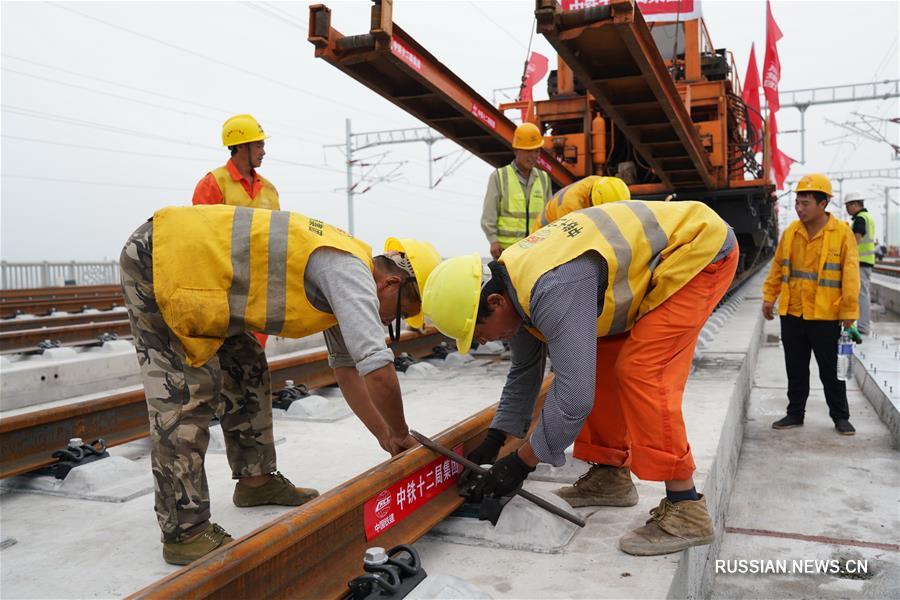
289	394
389	575
75	454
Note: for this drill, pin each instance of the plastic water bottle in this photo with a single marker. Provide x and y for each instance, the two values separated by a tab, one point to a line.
844	356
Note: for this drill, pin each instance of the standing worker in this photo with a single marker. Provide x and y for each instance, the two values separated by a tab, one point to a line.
815	278
197	281
516	193
237	183
864	231
656	269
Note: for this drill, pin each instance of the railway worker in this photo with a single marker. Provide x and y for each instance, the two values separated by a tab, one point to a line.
864	231
654	269
237	183
197	281
516	193
593	190
815	280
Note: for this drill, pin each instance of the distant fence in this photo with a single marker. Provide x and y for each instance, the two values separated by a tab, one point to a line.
51	274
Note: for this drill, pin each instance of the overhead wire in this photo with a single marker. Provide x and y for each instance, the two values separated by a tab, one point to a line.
248	72
219	110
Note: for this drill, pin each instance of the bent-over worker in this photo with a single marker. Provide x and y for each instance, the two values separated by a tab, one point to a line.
198	281
654	269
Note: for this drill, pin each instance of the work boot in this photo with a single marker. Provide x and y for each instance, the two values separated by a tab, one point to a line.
602	485
278	490
788	422
844	427
673	526
184	553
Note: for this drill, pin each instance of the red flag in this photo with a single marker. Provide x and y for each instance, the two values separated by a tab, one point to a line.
771	64
750	94
534	71
781	162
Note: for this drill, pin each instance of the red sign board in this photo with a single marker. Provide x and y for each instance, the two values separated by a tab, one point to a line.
542	163
390	506
483	116
404	53
652	10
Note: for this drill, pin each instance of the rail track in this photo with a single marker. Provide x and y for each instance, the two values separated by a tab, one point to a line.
891	270
314	550
44	301
79	334
28	439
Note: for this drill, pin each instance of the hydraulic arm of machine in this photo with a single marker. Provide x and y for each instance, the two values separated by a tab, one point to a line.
653	103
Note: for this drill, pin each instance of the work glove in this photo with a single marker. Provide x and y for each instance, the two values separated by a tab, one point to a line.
854	334
506	476
483	454
486	452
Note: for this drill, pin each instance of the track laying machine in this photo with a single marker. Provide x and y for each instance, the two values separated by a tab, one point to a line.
653	103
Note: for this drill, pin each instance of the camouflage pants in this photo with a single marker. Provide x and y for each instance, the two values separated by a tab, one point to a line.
181	400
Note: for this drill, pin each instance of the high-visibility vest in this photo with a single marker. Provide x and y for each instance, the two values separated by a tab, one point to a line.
866	244
652	250
220	270
829	279
234	194
574	196
515	214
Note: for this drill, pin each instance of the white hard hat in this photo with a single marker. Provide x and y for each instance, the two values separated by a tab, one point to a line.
853	197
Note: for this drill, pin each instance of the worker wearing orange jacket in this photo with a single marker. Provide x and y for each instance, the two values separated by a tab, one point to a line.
654	269
815	280
237	183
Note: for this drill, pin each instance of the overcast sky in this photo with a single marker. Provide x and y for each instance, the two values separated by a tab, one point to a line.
112	110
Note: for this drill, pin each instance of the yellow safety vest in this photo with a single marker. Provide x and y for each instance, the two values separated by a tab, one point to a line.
221	270
515	214
234	194
652	249
574	196
866	245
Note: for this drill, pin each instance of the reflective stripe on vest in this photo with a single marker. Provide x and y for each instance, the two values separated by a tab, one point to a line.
234	194
515	214
633	237
222	270
866	245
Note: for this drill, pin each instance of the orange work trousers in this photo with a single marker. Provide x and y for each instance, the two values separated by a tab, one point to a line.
636	420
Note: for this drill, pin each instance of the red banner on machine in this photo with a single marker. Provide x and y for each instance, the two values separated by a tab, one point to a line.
651	10
390	506
404	53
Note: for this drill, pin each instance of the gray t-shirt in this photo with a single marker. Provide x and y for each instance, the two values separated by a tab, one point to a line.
339	283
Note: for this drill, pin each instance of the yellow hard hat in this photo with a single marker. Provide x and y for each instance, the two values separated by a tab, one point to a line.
423	257
451	298
814	182
527	137
609	189
242	129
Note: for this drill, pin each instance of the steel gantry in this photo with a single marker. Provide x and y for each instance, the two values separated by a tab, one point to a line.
390	62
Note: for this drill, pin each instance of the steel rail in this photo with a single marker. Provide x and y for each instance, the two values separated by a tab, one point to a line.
28	440
25	340
50	305
890	271
8	325
81	291
314	550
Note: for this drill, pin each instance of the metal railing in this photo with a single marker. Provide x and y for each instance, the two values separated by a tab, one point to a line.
50	274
